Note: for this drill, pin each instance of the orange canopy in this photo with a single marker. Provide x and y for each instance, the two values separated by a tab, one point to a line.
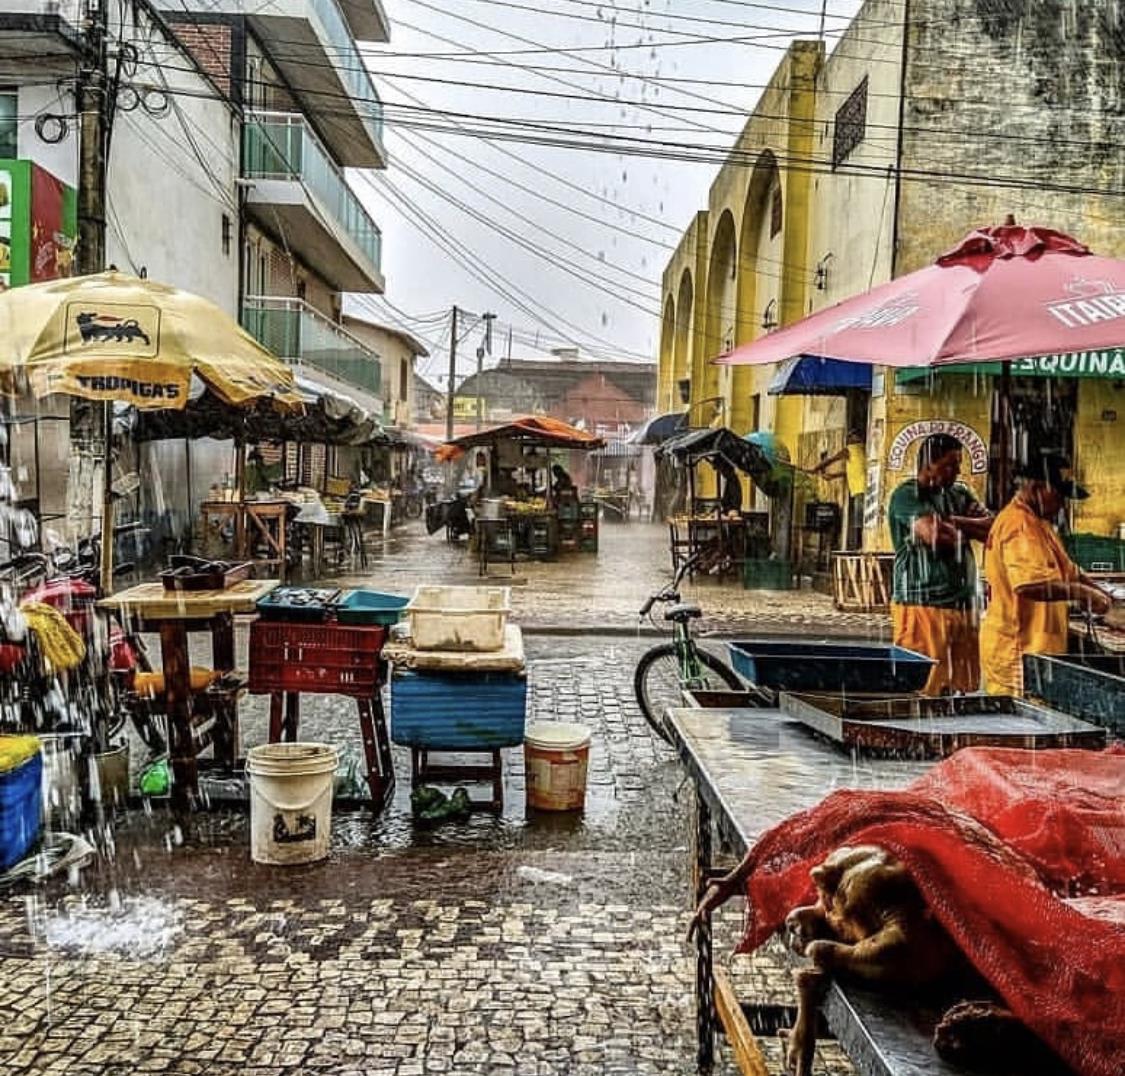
532	430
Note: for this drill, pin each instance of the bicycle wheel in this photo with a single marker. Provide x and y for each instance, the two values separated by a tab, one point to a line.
658	686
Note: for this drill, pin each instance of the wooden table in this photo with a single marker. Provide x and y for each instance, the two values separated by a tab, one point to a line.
729	531
173	615
253	520
751	770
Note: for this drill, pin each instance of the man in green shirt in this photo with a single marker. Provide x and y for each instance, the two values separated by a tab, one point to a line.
934	519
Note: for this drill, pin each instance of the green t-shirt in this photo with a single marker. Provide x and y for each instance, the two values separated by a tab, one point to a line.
945	578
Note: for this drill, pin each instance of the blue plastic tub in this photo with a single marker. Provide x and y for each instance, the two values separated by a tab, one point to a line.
369	607
20	796
867	668
458	711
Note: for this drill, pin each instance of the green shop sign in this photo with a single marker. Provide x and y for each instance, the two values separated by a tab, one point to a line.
38	224
1107	363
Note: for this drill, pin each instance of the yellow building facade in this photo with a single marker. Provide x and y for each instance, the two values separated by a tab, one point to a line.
866	162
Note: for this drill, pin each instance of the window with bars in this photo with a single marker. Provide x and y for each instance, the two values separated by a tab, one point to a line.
851	124
775	212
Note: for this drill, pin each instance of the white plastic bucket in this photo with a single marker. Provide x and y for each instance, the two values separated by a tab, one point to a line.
556	755
290	801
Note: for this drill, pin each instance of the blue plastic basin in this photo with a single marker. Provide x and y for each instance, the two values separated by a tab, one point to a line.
369	607
867	668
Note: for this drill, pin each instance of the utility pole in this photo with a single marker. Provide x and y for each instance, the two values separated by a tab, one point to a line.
93	109
452	386
488	320
91	427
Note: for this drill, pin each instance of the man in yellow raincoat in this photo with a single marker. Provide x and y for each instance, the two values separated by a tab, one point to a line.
1031	580
933	520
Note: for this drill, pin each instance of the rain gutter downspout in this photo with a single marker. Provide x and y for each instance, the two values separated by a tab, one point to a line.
900	134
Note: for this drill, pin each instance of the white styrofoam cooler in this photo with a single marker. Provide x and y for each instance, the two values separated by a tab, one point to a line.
459	618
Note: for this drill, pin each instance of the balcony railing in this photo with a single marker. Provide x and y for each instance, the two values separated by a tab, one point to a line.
351	68
294	331
281	145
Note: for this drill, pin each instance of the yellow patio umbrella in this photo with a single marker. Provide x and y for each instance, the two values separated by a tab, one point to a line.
112	336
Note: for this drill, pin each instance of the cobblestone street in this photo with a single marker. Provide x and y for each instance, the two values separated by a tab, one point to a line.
498	946
506	944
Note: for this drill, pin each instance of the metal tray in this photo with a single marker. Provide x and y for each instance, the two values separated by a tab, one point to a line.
1088	686
917	727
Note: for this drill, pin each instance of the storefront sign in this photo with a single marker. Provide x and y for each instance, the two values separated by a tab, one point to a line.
975	448
38	224
1109	362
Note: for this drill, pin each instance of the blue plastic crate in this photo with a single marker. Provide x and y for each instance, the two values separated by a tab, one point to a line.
20	795
458	711
871	668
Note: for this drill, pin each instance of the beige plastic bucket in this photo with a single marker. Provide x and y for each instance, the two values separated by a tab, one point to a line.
556	755
290	801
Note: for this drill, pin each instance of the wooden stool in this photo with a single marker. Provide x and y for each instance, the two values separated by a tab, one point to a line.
372	726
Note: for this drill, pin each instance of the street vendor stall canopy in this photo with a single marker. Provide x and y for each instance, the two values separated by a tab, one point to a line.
326	417
766	469
532	430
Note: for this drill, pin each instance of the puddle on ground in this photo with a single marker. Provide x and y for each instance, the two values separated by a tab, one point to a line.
137	927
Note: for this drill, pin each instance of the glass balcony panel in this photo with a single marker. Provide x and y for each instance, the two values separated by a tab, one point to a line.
297	333
351	68
280	145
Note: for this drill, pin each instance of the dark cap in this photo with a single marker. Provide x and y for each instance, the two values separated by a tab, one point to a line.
1056	470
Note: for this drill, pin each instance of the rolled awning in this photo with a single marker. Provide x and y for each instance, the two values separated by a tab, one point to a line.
810	375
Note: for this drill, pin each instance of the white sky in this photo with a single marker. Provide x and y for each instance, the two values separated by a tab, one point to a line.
423	280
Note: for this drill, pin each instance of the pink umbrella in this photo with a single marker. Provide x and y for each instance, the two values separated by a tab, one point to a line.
1003	293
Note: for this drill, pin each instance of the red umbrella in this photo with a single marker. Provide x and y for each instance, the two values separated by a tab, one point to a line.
1003	293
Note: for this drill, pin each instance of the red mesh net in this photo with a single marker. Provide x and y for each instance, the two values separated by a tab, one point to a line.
1021	856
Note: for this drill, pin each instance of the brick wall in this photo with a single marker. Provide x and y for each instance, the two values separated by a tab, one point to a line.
210	44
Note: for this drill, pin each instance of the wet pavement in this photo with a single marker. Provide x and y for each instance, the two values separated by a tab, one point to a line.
511	944
586	592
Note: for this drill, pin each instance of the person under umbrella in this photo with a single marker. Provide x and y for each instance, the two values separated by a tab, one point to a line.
1031	579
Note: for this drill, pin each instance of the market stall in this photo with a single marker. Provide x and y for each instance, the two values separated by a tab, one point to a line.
713	537
732	757
524	500
265	513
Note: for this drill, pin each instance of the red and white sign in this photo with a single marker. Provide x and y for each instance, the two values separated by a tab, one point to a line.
975	448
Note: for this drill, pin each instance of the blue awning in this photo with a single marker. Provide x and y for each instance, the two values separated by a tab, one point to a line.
809	375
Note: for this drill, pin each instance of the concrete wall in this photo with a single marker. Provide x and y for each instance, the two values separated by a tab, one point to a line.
61	158
171	177
393	351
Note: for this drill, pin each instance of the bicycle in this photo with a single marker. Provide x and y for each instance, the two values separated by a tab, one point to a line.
666	671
